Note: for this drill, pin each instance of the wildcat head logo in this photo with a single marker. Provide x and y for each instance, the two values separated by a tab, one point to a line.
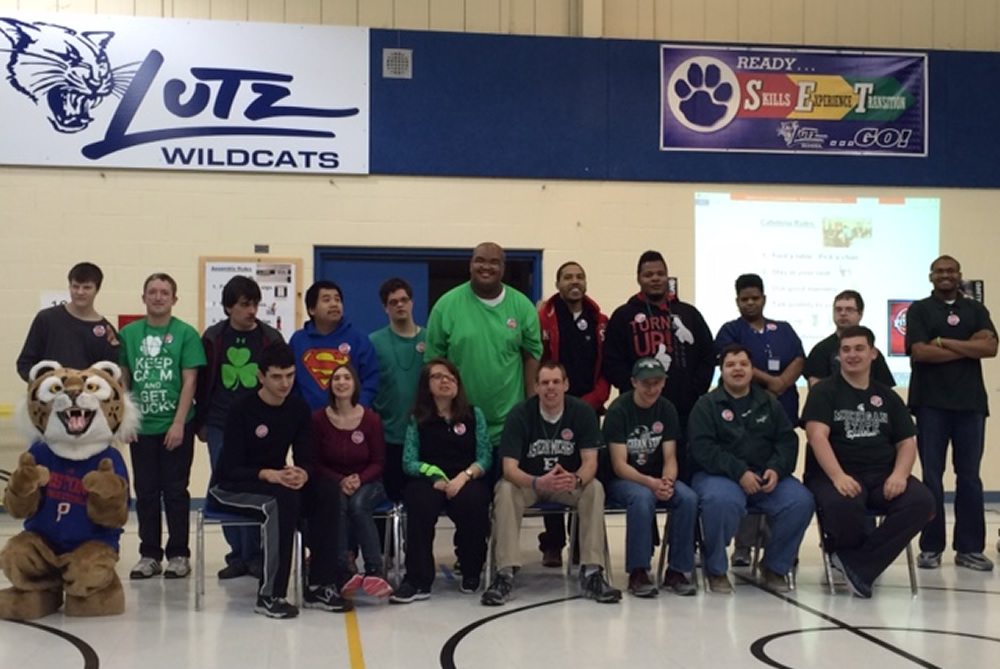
67	71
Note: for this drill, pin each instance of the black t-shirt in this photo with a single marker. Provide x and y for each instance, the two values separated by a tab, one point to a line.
539	445
237	373
865	424
643	431
56	334
258	436
824	361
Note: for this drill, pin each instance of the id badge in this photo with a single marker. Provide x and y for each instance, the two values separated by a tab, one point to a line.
773	365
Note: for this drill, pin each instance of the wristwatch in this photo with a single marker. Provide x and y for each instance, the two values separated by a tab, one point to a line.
579	482
470	473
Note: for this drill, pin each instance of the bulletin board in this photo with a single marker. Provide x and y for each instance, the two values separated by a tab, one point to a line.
280	281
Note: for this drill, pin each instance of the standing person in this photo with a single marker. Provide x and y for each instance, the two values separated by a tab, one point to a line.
232	347
861	454
641	431
399	348
160	357
777	357
654	323
329	340
572	328
947	336
73	334
447	454
823	360
253	478
490	331
347	448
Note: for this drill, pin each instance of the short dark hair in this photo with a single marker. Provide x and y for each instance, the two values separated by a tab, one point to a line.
390	286
859	301
744	281
649	256
858	331
240	287
551	364
958	265
424	407
356	395
160	276
86	272
565	265
733	349
276	354
312	295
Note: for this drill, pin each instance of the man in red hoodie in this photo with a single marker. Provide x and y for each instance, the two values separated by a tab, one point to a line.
572	328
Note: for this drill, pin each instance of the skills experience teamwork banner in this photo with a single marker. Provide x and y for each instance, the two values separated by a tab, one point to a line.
115	91
793	101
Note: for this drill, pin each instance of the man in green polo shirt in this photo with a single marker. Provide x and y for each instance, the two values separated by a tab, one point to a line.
947	336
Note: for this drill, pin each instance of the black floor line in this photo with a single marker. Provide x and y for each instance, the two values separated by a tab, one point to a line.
90	659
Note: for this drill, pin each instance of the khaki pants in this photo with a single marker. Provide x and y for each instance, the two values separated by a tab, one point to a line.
509	503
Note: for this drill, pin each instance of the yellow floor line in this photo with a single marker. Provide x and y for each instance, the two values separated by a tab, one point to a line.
354	640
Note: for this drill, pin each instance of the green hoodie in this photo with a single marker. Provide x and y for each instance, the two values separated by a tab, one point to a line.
723	443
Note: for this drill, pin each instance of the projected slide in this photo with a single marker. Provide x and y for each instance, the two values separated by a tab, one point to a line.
808	249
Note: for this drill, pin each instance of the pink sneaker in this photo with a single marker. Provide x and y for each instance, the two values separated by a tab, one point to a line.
356	581
376	586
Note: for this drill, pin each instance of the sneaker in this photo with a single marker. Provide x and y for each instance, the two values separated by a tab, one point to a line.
719	584
326	598
470	584
774	581
929	560
146	567
456	568
857	586
596	588
741	557
177	567
678	583
354	583
640	585
407	592
552	557
233	570
499	591
275	607
376	586
975	561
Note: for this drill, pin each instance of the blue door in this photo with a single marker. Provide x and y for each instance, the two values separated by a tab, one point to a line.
359	279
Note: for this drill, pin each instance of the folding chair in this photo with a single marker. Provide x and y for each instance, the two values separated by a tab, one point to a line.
392	541
878	519
541	508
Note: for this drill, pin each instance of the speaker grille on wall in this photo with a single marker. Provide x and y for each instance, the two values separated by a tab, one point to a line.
397	63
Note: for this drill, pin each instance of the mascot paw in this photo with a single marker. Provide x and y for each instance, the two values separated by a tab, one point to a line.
109	601
28	604
28	477
104	482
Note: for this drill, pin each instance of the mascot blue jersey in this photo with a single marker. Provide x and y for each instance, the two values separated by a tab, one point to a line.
62	511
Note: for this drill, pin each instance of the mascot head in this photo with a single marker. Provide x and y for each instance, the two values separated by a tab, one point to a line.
78	413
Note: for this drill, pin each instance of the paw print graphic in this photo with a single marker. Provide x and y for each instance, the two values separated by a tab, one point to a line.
703	94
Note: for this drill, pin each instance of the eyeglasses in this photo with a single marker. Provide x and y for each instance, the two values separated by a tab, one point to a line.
845	310
441	376
398	301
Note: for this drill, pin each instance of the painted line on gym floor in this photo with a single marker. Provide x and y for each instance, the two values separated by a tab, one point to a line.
448	650
90	659
353	631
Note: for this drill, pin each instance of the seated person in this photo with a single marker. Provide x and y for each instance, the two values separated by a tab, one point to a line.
641	430
549	453
744	449
347	448
252	478
447	452
862	449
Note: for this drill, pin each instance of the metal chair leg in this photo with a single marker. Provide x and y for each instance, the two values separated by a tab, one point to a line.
199	560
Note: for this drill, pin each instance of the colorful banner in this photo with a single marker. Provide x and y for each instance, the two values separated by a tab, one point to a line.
897	326
115	91
793	101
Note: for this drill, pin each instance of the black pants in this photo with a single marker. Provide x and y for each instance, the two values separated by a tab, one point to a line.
470	511
280	511
159	475
847	531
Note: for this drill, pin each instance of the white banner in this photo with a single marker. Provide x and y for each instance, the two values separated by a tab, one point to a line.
115	91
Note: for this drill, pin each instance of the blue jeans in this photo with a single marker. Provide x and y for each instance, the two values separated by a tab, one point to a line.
789	509
965	430
244	541
357	511
640	515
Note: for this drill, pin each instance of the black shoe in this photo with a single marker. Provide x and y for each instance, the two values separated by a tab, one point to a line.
857	585
596	588
407	592
640	585
326	598
233	570
456	568
499	591
470	583
275	607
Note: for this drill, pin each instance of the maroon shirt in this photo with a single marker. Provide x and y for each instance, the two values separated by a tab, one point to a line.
338	453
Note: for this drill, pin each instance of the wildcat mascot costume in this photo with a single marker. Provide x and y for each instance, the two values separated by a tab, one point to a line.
71	488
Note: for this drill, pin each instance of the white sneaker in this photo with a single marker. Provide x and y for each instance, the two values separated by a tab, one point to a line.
177	567
146	567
